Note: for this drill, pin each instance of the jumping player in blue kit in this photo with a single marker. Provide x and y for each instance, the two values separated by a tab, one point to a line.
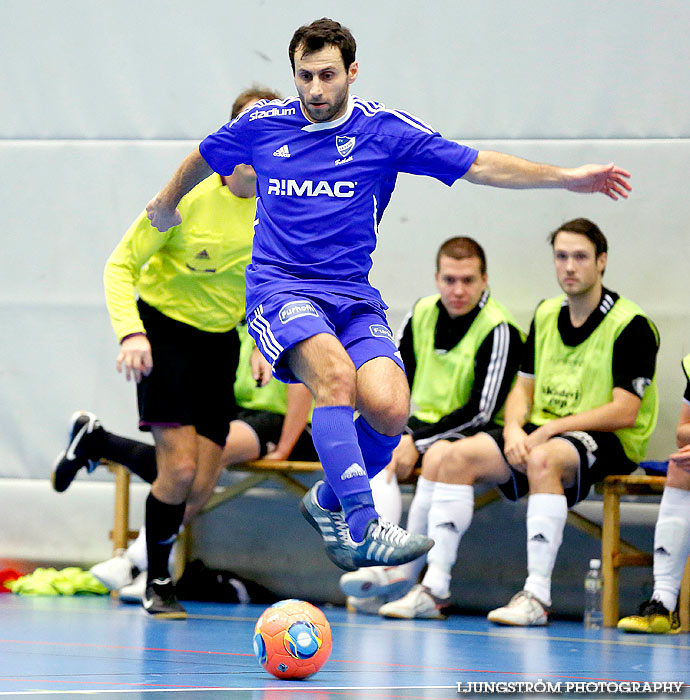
326	165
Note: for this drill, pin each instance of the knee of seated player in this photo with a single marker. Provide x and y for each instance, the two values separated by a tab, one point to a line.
547	466
433	458
462	463
475	459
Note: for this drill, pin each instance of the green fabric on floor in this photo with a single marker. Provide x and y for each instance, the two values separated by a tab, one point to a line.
69	581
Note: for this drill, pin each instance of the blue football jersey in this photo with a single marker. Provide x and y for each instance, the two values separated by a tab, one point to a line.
322	188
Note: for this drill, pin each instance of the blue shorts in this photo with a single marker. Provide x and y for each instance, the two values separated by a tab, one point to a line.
286	318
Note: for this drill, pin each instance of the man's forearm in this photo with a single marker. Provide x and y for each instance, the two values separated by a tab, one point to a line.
607	418
518	406
503	170
191	172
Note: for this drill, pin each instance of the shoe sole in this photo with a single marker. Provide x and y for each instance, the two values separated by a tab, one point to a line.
398	616
650	630
165	615
393	590
310	519
361	611
512	623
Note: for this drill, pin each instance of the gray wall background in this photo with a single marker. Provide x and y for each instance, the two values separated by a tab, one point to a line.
100	101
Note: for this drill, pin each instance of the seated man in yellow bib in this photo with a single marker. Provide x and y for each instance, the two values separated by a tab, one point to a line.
584	405
461	350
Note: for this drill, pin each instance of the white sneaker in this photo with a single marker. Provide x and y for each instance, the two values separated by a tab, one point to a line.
367	606
420	603
380	581
114	573
523	610
134	592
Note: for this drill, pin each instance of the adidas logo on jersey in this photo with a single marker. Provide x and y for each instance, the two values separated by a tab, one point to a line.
282	152
352	471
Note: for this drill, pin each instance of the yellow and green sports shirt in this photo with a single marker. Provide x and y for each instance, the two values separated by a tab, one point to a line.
194	272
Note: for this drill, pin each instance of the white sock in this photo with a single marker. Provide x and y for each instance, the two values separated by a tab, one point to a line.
452	508
671	545
387	497
136	552
546	516
417	524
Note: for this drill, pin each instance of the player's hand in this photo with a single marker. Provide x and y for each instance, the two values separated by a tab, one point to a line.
681	458
162	216
539	436
277	454
514	446
135	358
405	456
607	179
261	368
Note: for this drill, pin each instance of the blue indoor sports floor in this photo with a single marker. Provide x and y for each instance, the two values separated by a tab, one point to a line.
97	646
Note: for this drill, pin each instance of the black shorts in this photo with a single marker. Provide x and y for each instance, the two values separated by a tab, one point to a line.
192	379
267	427
414	423
600	454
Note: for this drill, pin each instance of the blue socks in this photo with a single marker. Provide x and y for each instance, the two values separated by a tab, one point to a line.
377	449
351	454
347	483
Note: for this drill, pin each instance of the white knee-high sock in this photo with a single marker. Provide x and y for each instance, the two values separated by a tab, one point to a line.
387	497
136	552
546	516
452	507
417	524
671	545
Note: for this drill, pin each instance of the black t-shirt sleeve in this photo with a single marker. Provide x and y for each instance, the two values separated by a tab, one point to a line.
634	356
527	359
686	396
406	348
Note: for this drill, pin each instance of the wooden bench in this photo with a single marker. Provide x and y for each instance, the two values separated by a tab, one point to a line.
615	552
258	471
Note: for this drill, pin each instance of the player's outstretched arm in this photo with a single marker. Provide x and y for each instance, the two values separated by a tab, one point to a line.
503	170
162	209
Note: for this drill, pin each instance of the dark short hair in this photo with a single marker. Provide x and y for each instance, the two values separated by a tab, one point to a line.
321	32
586	228
462	247
255	92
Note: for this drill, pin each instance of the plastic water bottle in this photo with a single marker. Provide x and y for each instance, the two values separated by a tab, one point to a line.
594	616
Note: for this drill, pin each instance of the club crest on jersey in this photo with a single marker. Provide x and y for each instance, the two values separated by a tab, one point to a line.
378	330
345	145
296	309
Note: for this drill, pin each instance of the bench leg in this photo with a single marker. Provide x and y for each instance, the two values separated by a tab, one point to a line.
120	533
610	545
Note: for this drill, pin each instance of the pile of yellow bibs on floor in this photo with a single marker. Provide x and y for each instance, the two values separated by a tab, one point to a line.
69	581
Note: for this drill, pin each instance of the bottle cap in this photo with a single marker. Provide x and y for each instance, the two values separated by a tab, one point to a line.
595	563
